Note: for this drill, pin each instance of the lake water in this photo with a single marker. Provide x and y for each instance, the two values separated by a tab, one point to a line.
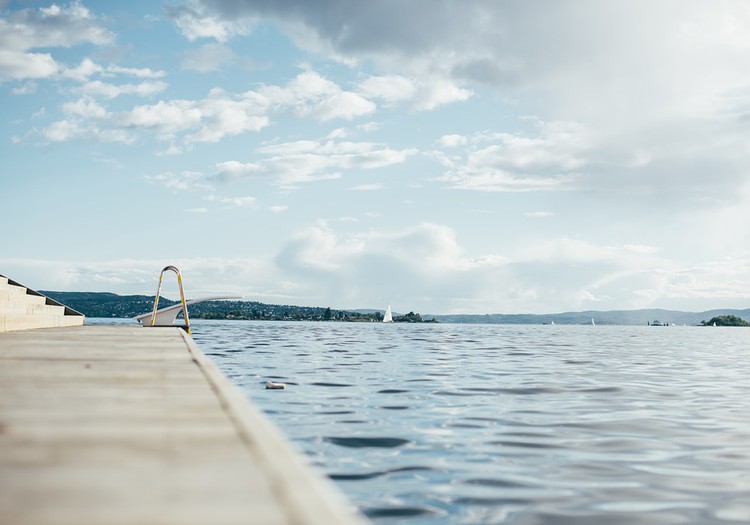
449	423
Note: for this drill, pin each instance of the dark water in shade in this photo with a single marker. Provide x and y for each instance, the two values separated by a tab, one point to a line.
446	424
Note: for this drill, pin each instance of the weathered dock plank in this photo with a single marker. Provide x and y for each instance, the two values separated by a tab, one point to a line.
104	424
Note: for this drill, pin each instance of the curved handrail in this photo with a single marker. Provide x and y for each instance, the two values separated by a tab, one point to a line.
182	296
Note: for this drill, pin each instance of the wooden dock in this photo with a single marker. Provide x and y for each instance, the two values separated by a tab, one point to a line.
130	425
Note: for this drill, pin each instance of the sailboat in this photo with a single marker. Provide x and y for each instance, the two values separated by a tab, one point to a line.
592	321
388	316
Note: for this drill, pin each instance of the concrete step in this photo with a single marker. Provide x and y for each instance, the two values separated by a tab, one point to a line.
8	293
12	322
19	307
14	288
22	309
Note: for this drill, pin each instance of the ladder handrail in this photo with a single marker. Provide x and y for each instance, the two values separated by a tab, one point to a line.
182	296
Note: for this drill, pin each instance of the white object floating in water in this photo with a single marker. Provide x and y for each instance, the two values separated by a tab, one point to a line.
388	316
270	385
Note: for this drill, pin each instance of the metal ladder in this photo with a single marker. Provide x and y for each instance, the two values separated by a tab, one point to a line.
174	269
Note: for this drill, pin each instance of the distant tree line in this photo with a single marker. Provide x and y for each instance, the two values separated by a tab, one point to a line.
725	320
104	304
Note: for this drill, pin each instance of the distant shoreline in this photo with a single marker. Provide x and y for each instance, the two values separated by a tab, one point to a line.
109	305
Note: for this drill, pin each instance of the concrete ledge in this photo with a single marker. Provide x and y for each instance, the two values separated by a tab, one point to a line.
31	308
136	426
10	293
13	322
23	309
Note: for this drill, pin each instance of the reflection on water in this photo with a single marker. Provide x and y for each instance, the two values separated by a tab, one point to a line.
443	424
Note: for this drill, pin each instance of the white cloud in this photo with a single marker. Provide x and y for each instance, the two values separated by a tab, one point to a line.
573	250
648	88
412	267
251	277
63	130
231	169
22	65
220	114
107	90
142	72
682	54
439	90
183	181
422	268
452	141
290	164
390	88
311	95
207	120
195	22
207	58
236	202
308	160
547	160
24	30
84	70
86	108
88	68
28	88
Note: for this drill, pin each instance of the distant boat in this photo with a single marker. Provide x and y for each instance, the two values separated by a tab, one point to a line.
592	321
388	316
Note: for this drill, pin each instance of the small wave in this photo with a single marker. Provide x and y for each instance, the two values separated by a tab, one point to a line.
463	425
375	474
336	385
367	442
392	391
495	502
602	389
498	483
397	512
454	393
525	391
524	444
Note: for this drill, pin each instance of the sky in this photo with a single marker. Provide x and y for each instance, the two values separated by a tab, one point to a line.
441	156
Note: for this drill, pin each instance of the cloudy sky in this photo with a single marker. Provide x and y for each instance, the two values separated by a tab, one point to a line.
453	156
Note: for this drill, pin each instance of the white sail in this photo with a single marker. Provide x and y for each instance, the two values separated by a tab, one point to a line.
388	316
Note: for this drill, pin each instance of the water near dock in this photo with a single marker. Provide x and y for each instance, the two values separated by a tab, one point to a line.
445	424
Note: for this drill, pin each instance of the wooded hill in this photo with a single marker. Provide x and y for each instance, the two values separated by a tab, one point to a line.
104	304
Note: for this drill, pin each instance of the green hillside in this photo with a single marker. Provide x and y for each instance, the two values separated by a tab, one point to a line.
104	304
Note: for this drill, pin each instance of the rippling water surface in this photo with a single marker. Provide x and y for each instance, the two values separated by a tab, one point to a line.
443	424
